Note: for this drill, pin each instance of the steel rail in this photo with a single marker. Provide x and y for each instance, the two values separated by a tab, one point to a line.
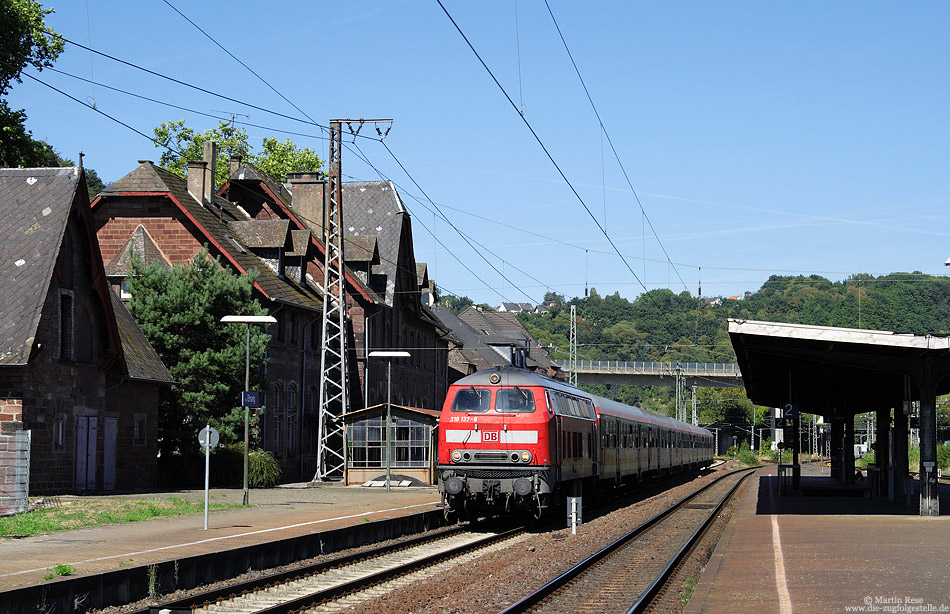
554	585
186	606
249	586
646	598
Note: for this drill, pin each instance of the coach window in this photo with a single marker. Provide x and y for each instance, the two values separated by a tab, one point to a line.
472	400
514	400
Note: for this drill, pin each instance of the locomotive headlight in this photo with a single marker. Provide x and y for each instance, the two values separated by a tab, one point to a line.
526	457
456	456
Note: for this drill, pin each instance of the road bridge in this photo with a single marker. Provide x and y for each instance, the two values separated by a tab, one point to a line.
708	374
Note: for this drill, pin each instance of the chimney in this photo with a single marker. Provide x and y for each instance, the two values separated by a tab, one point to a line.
309	200
234	163
210	156
196	178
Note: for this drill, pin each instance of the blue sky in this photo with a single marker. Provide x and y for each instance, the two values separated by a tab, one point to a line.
760	138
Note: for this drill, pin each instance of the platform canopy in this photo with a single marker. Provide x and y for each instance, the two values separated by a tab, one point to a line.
823	368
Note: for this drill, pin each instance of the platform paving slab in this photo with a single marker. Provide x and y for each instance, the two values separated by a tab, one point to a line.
838	554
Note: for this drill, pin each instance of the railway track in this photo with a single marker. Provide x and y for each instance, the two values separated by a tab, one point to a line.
345	581
628	574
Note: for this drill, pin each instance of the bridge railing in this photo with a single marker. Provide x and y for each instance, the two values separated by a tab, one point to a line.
626	367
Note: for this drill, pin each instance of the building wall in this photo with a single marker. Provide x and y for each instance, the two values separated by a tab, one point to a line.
135	404
116	220
293	369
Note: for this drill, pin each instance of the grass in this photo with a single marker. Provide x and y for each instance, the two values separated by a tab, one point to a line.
96	512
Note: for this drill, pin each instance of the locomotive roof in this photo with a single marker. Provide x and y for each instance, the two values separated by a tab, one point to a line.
513	376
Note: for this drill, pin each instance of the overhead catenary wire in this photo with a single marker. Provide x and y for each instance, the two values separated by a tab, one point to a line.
238	60
610	141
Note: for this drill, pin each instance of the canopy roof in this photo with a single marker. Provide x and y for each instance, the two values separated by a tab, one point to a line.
823	368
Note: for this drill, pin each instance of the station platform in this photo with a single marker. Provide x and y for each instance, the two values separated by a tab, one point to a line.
276	513
827	552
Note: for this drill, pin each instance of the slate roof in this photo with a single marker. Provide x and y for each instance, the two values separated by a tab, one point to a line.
361	249
248	173
261	233
36	203
300	239
212	222
142	362
497	327
374	208
144	248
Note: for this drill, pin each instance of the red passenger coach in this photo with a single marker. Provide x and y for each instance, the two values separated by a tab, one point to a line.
513	439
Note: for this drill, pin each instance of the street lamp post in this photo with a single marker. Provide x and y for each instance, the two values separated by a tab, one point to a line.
247	320
389	355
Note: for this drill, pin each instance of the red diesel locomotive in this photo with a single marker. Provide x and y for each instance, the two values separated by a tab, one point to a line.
513	439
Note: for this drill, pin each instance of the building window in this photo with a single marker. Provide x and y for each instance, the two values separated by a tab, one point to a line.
59	434
291	437
139	424
124	293
277	421
67	345
313	397
409	442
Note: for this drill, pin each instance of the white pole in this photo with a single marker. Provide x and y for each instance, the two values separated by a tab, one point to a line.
207	445
389	400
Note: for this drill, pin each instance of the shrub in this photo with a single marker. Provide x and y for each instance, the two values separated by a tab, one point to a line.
263	469
864	461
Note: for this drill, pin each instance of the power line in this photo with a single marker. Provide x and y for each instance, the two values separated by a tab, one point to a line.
249	69
543	146
610	141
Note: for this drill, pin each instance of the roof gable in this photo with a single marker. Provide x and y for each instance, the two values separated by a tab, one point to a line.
39	204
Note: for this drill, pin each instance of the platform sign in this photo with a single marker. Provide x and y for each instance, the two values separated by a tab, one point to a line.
208	437
250	398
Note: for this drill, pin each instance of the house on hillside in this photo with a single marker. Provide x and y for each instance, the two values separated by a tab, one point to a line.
517	308
79	384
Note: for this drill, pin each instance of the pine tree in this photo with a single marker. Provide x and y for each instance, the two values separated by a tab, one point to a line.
180	312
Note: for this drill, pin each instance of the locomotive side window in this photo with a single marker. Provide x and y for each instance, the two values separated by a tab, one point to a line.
472	400
514	400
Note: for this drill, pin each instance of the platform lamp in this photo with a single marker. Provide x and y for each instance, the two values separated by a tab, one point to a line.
389	355
248	320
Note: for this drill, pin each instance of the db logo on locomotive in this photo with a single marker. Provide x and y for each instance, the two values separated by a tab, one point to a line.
490	436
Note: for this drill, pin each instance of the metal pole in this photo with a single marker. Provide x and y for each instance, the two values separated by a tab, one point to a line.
207	470
389	393
247	386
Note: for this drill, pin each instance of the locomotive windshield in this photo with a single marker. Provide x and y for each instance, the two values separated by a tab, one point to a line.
472	400
514	399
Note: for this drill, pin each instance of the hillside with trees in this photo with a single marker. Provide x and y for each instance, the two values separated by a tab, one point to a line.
660	325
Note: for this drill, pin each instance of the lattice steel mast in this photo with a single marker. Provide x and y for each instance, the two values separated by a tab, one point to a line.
573	351
334	373
334	399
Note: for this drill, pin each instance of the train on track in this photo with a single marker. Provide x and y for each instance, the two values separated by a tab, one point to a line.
511	439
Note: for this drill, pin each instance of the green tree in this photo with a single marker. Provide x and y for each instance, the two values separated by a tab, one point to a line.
180	313
276	158
24	41
456	304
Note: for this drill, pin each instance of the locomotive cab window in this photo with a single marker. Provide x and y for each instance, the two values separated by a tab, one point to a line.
514	400
472	400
